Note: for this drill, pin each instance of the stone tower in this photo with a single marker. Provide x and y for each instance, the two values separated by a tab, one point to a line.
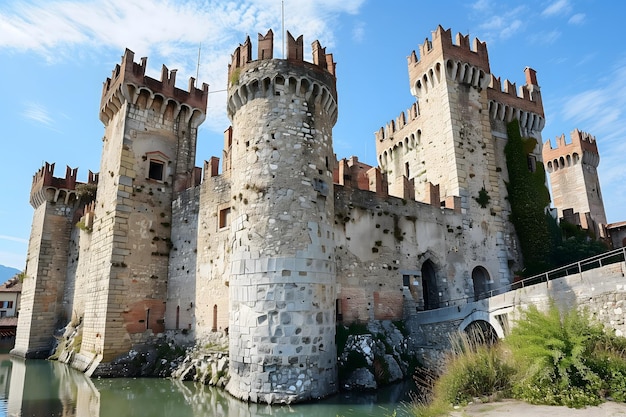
574	180
282	282
148	155
55	201
448	148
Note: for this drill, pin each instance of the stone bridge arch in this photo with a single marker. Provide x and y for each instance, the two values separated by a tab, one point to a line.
483	316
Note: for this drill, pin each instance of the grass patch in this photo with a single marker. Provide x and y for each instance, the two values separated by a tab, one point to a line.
549	358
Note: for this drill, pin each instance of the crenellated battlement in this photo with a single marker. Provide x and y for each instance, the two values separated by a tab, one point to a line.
440	57
242	55
351	173
265	77
582	148
46	186
395	125
506	102
45	178
128	82
441	46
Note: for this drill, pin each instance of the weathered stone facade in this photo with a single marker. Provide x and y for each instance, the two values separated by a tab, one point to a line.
574	180
119	257
285	242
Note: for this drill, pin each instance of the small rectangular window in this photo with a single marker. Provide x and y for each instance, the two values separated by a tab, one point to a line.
224	218
532	163
406	280
156	170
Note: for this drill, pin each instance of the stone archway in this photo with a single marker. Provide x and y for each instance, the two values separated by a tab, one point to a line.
429	286
480	278
481	332
483	316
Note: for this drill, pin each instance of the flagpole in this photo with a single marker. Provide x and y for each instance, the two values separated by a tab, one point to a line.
283	22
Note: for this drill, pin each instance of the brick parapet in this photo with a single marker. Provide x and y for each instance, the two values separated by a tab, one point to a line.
314	82
525	105
242	56
47	187
441	44
440	59
582	146
385	135
128	80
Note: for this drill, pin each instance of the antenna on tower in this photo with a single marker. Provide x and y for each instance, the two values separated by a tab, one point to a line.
198	66
283	22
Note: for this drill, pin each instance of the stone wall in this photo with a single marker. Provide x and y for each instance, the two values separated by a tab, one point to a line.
181	285
212	303
383	244
282	266
42	290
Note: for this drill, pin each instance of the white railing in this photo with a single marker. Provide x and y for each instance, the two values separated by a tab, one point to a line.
598	261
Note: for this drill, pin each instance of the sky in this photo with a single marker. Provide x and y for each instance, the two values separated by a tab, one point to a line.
55	55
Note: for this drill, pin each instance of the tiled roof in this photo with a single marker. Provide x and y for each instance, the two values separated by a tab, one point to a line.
12	285
8	321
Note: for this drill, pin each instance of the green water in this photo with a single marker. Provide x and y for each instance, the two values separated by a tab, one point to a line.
39	388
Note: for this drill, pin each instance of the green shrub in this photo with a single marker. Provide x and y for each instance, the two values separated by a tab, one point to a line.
529	197
474	370
555	350
551	358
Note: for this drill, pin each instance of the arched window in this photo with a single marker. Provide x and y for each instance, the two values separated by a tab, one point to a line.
429	286
480	278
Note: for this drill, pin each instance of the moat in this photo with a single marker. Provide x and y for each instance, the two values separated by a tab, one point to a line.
38	388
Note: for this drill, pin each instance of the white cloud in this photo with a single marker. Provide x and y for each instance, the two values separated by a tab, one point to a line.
40	114
481	5
546	38
358	32
14	239
510	30
559	7
496	25
163	25
167	31
577	19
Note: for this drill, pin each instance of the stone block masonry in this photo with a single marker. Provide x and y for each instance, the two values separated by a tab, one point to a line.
282	285
41	304
286	242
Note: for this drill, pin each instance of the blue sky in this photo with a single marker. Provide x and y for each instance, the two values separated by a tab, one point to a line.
55	55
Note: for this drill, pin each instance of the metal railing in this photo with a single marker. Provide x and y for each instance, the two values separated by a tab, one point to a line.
598	261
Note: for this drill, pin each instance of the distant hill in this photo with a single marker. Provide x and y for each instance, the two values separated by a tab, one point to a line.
7	272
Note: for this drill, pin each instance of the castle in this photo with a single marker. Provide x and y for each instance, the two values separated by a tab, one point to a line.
286	241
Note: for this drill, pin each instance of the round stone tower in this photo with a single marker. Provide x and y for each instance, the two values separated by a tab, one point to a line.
282	276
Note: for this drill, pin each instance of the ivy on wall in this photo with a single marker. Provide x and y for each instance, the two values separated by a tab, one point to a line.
528	197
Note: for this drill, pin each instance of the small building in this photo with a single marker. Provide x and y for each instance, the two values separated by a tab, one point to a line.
617	234
10	294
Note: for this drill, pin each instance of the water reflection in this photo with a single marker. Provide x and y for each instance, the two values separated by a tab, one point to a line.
39	388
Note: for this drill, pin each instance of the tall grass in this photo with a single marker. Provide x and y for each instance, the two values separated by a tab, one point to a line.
473	369
552	357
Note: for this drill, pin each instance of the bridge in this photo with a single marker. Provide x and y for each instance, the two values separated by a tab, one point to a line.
597	284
